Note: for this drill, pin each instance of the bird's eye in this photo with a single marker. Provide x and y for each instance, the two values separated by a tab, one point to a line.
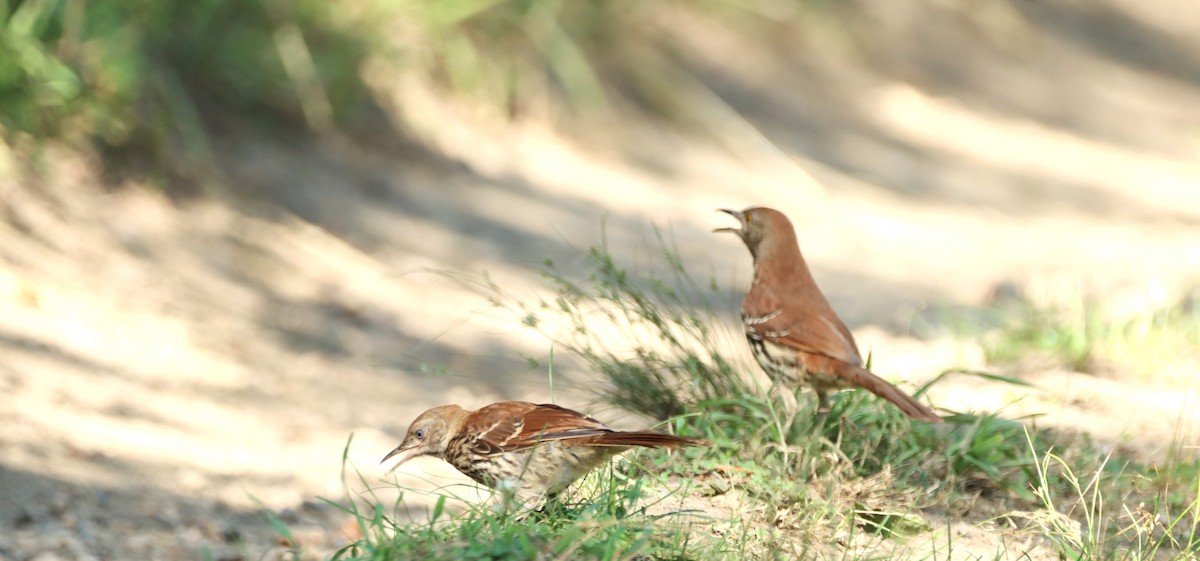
420	433
749	218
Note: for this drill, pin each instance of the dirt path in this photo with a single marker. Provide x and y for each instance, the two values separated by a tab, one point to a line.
168	366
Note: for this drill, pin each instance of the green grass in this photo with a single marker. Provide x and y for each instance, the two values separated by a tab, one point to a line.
1083	334
606	516
1102	515
867	484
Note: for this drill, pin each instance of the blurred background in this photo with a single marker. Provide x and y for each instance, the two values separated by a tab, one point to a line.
234	233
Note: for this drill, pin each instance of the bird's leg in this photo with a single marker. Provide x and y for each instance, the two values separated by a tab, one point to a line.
785	422
822	409
789	399
793	411
550	505
506	501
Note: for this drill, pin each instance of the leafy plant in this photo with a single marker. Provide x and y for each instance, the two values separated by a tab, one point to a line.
141	78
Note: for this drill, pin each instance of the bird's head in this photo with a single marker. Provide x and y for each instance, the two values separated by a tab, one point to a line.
758	226
429	434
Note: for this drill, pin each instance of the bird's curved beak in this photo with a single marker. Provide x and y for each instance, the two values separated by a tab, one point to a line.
404	453
735	214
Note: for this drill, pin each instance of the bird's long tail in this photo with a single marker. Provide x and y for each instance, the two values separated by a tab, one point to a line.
862	377
645	439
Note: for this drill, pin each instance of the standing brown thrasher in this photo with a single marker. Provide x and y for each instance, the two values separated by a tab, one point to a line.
532	450
793	332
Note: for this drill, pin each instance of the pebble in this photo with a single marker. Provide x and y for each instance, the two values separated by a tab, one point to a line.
289	515
311	505
47	556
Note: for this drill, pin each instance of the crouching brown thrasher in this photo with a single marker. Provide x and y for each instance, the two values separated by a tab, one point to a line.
532	450
793	332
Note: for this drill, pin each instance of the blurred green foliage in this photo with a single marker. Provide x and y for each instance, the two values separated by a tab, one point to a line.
150	79
513	53
145	75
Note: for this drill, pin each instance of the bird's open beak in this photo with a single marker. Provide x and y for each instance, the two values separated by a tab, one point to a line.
734	214
405	455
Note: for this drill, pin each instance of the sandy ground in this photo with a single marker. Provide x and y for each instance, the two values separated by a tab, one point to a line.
170	368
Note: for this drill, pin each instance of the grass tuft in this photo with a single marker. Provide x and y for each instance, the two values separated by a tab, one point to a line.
1096	517
649	338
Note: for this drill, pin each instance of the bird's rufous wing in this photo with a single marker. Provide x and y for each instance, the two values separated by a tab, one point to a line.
515	425
803	322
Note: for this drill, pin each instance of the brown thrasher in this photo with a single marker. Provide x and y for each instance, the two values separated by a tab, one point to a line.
530	449
793	332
